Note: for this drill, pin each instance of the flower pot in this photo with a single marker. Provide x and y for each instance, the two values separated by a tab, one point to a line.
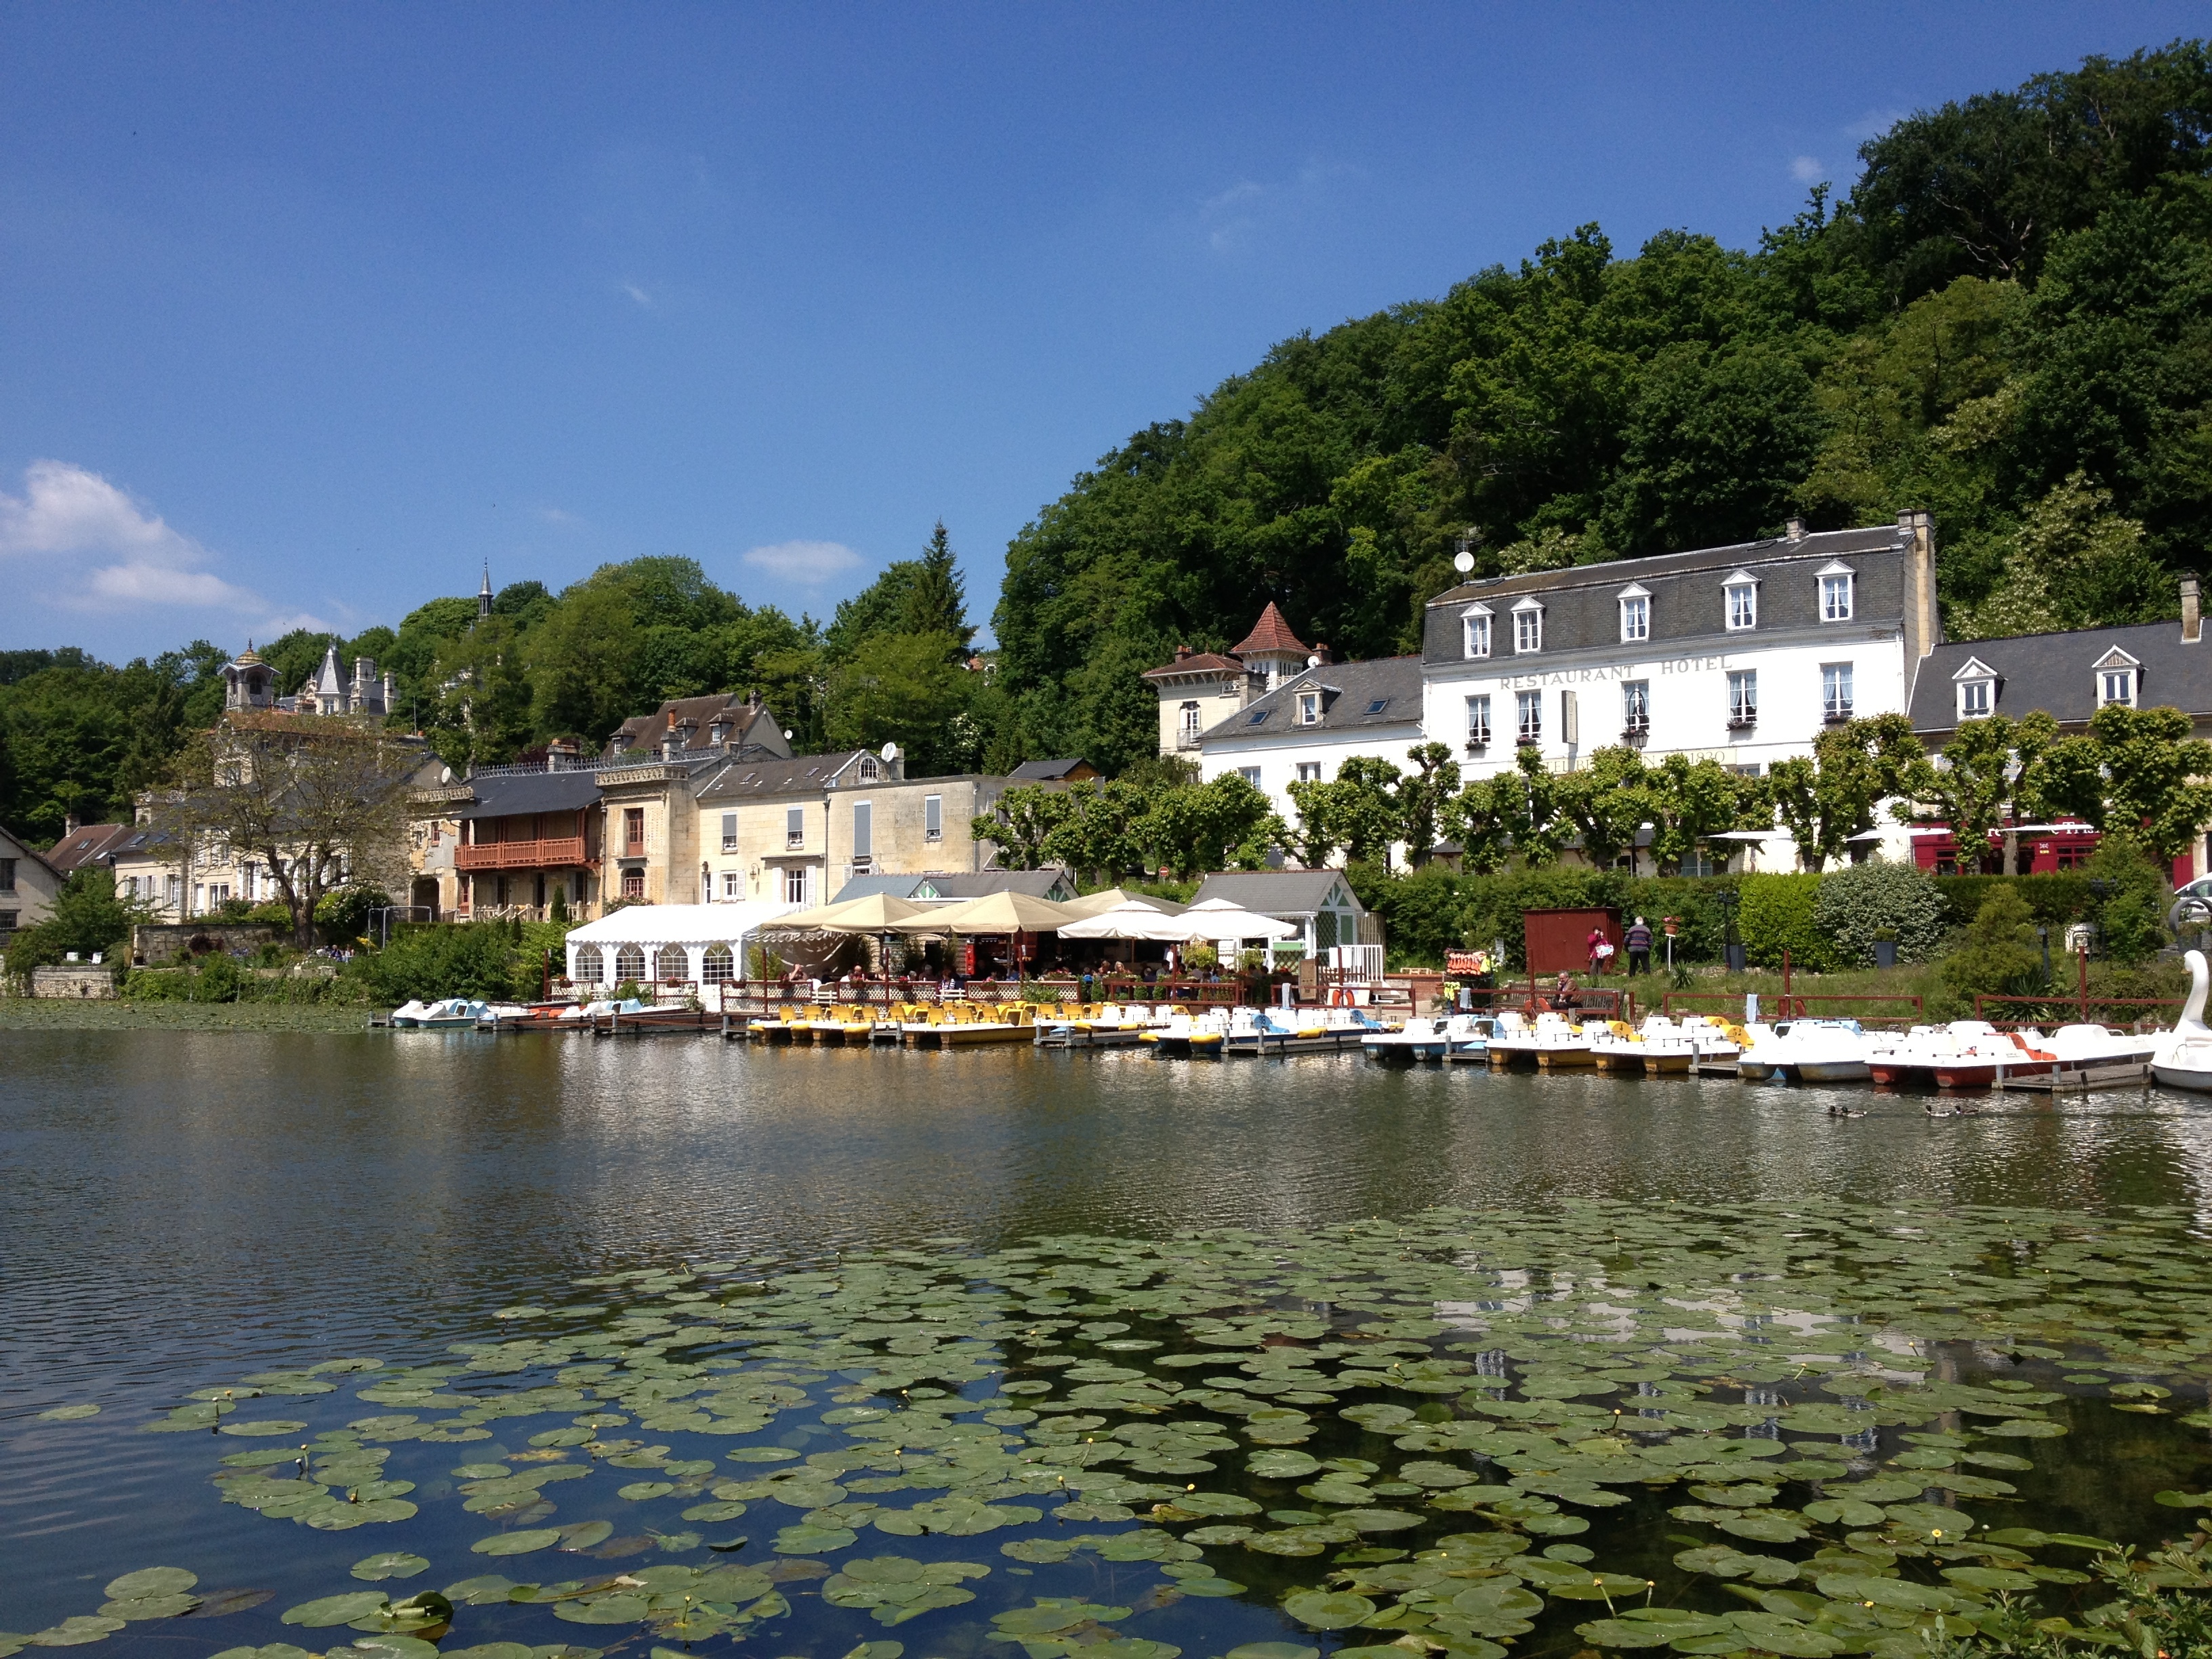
1885	953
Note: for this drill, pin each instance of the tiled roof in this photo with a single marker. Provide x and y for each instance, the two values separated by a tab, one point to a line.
1049	771
1270	633
525	793
1205	662
85	846
646	731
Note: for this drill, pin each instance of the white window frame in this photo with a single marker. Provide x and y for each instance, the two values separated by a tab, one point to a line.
1838	692
794	827
2118	679
1975	689
1528	718
1838	581
1478	722
794	885
1308	771
1250	774
864	831
733	886
1474	632
1742	697
1635	707
1528	628
1635	602
1308	708
1192	722
932	817
729	832
1740	603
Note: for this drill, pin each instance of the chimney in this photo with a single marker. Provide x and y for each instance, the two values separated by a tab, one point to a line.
1796	530
1182	653
1924	632
1320	652
2193	615
71	824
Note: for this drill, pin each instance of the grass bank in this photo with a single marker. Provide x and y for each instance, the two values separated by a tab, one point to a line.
29	1013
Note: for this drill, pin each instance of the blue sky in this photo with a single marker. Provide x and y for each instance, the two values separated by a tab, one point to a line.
306	311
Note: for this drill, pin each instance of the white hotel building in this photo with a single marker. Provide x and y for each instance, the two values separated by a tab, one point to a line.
1741	654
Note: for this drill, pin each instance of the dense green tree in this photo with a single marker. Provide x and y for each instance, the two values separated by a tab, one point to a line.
906	689
87	916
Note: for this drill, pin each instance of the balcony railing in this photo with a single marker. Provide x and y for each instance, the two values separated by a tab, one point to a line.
1187	740
565	852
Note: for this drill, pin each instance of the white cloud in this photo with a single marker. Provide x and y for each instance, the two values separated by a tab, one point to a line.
639	294
1232	218
1807	170
810	563
104	552
561	517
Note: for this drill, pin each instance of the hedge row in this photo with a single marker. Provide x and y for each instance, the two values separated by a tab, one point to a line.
1428	911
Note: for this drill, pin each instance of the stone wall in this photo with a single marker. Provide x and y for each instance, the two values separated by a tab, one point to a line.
74	980
164	944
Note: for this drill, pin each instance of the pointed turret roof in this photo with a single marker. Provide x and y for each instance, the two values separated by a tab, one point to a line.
328	680
1270	636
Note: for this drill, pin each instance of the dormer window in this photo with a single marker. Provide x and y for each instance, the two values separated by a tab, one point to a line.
1474	631
1836	595
1308	708
1528	627
1978	689
2116	678
869	770
1740	602
1635	614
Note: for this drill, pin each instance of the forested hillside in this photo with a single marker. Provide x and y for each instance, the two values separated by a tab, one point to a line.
2008	321
78	736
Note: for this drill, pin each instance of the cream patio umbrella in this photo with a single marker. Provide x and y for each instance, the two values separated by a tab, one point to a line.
1224	920
1007	913
1135	919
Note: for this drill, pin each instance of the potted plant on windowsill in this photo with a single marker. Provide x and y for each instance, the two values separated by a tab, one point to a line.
1885	947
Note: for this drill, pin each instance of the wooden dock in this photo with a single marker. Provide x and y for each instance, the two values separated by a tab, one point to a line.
2131	1074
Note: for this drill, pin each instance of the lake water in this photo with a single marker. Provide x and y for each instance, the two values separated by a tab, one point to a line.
177	1210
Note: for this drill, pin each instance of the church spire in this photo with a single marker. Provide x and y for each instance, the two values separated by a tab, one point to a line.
483	594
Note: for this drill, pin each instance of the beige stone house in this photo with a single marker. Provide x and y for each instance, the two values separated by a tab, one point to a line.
798	831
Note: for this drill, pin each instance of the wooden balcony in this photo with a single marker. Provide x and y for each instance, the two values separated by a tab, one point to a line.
564	852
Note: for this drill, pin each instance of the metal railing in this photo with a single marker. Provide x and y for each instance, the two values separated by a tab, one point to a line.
2064	1007
1778	1005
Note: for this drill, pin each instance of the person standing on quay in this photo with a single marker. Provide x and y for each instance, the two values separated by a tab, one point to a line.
1638	939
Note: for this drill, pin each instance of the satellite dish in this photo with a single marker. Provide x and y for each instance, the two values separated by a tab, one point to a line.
1464	562
1313	661
891	751
446	774
787	737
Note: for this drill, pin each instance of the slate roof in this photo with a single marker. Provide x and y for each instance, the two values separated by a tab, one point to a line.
1051	771
524	793
897	887
979	884
1580	608
84	846
2053	672
1284	893
803	775
25	850
1349	691
1270	633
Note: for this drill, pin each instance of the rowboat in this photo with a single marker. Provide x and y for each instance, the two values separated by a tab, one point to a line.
1422	1039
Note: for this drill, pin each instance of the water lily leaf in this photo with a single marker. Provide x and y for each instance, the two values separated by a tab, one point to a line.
517	1543
261	1427
639	1491
807	1540
392	1565
150	1581
77	1631
68	1413
584	1535
1271	1650
2027	1428
331	1610
1326	1610
134	1609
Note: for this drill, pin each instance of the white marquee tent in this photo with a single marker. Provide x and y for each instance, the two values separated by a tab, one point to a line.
707	941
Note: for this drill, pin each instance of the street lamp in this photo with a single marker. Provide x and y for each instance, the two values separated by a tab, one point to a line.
1732	946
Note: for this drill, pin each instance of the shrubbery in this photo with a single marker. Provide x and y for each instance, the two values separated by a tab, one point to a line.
1999	955
1776	914
1862	901
475	959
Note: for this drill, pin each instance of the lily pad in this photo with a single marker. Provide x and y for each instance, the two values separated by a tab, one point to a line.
517	1543
393	1564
